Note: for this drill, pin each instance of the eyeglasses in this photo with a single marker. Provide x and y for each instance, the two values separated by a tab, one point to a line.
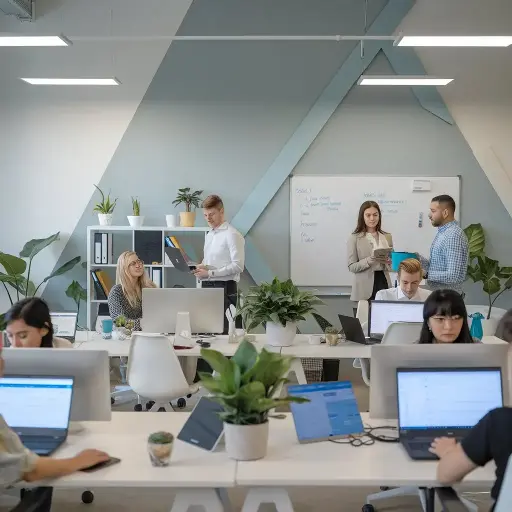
136	263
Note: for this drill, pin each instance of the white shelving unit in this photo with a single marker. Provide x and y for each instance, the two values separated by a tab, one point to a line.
92	303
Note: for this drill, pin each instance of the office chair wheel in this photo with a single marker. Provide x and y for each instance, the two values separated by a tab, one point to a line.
182	403
161	409
368	508
189	396
87	497
137	407
384	488
149	405
112	400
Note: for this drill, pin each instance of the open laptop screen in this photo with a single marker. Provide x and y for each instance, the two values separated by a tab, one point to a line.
36	402
383	313
441	398
64	324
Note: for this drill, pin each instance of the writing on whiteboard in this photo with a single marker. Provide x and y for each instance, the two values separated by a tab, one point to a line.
306	239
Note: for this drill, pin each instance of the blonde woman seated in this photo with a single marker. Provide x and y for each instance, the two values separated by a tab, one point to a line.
125	298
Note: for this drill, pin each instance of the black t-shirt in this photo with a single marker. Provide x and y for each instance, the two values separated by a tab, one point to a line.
491	439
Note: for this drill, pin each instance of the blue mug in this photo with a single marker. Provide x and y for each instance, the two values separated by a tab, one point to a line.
107	326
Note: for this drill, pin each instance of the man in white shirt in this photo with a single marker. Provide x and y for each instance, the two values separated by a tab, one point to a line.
224	255
409	279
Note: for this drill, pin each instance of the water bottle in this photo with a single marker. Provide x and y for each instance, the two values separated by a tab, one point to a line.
476	331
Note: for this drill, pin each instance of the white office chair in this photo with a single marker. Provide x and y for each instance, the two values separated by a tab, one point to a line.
397	333
362	315
155	373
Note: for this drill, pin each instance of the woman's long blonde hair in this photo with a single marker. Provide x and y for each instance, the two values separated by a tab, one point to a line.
132	289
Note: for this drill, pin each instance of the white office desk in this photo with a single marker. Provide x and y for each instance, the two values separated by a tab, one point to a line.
197	473
290	464
344	350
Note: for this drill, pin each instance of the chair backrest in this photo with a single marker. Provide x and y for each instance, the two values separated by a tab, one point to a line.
402	333
362	311
154	370
504	501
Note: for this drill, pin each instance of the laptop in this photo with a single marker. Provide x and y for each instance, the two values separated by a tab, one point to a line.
334	407
203	427
177	260
354	331
64	324
443	402
37	408
383	312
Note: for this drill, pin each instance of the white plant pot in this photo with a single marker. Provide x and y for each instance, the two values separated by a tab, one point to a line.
489	326
105	219
246	442
136	221
279	336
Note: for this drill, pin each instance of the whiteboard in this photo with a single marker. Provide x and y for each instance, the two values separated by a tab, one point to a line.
323	214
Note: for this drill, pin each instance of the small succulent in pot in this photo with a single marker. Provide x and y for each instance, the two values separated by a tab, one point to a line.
160	446
332	335
124	327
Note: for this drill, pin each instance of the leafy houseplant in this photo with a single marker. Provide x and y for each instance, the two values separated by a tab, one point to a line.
332	336
124	327
495	279
105	208
76	292
245	386
135	220
160	448
18	285
189	199
279	305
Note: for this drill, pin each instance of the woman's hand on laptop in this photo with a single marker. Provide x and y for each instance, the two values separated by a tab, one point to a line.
442	445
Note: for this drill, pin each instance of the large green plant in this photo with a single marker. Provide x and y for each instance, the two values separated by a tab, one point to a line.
482	269
246	384
188	198
14	280
278	302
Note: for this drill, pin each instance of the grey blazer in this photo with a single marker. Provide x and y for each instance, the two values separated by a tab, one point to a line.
359	251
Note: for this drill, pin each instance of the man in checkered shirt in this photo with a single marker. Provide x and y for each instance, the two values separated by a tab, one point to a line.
448	262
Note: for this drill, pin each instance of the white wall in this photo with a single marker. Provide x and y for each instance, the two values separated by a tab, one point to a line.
56	142
480	97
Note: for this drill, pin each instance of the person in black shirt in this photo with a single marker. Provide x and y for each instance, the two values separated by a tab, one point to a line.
490	439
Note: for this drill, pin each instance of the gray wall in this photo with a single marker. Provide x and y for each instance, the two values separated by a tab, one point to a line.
218	113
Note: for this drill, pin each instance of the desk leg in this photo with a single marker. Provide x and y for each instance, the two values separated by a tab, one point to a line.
212	500
430	500
298	370
259	495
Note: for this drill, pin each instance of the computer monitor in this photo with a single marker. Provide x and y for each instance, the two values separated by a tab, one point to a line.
383	313
89	369
64	324
205	306
385	359
434	398
36	404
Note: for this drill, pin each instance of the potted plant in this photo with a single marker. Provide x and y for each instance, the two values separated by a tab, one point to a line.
332	336
135	220
124	327
105	208
160	448
481	269
279	305
77	292
189	199
245	386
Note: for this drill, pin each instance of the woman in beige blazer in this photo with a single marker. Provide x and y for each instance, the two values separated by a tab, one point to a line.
370	274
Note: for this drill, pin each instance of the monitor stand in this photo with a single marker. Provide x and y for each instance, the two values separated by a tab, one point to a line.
75	427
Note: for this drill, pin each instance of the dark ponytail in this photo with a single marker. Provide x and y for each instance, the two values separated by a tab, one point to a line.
35	313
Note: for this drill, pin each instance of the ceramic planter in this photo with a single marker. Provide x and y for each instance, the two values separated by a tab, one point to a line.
279	336
136	221
105	219
246	442
187	219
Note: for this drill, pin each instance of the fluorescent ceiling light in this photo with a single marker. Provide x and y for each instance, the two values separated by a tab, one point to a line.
72	81
33	41
402	80
454	41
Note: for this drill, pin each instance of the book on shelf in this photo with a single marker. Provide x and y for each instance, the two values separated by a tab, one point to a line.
156	276
102	284
103	248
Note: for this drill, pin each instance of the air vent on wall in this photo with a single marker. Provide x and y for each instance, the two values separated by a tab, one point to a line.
22	9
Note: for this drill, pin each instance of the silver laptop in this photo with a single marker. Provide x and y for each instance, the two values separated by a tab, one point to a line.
443	402
64	324
37	408
383	313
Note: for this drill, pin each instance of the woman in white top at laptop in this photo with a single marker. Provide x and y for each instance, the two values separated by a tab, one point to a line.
29	325
410	275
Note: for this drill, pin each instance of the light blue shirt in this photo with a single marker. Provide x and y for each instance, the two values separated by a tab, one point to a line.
448	263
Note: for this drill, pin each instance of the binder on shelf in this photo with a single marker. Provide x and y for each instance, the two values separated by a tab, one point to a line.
110	248
100	293
105	281
156	276
97	248
104	248
176	244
